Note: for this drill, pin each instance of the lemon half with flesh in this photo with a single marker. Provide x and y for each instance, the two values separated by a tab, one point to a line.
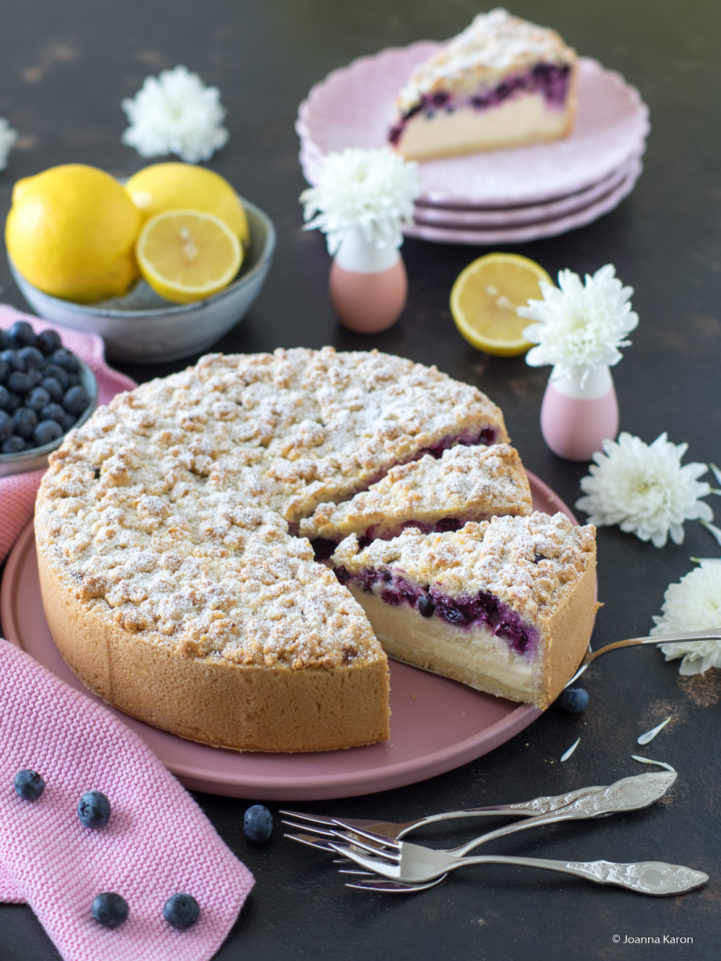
186	255
485	299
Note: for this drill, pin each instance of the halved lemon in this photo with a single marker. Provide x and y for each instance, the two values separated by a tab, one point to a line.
485	298
187	255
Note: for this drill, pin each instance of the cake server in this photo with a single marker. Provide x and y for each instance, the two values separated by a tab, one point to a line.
710	634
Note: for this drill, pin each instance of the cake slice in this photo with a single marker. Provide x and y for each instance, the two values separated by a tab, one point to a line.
433	493
502	82
506	605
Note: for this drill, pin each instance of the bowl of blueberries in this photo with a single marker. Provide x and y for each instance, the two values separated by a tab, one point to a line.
45	391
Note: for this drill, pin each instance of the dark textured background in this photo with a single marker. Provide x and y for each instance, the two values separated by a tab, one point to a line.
64	69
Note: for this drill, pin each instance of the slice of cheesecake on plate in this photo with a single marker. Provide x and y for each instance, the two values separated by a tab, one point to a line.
503	82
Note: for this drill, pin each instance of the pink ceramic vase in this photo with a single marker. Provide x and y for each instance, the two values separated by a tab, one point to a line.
578	413
368	285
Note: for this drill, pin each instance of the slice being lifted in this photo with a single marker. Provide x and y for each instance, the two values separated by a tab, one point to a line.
433	493
506	606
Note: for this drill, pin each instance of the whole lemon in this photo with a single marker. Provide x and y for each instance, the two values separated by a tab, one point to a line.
71	232
180	186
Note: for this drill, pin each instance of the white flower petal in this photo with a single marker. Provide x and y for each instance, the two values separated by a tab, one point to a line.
8	138
368	190
175	113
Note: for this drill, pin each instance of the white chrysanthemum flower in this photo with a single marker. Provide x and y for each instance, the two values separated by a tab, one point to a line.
579	325
8	138
367	190
644	489
175	113
694	604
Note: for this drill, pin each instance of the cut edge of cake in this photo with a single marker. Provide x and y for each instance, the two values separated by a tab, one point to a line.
483	605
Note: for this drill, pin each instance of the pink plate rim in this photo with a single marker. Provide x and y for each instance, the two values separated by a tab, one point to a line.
319	776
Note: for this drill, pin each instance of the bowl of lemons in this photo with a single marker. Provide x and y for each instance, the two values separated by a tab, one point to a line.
160	266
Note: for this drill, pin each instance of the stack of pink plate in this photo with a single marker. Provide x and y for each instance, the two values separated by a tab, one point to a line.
497	197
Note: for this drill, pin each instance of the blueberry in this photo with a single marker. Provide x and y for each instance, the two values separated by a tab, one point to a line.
574	699
32	358
65	359
7	425
426	607
48	341
21	334
46	432
181	911
94	809
4	397
37	398
12	358
54	388
25	420
257	823
53	411
4	369
12	403
60	375
4	339
19	381
109	909
29	785
13	445
75	399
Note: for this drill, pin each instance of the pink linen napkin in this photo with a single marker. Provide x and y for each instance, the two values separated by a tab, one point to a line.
157	842
17	492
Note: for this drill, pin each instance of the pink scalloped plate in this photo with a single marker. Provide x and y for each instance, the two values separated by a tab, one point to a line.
479	219
451	234
437	725
353	107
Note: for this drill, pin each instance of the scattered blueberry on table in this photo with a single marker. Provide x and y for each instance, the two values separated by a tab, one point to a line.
181	911
94	809
41	394
109	909
29	785
574	700
257	823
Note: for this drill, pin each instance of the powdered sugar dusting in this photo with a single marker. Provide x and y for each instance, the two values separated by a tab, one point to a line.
171	507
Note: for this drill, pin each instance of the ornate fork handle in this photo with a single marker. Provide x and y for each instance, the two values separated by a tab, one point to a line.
628	794
645	877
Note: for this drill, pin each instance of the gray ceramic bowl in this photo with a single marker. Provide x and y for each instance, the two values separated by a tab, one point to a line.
141	327
37	457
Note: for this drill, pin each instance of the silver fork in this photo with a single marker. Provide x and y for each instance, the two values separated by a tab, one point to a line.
628	794
410	863
711	634
325	826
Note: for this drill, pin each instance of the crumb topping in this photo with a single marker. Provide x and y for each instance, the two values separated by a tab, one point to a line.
526	562
494	44
175	506
464	483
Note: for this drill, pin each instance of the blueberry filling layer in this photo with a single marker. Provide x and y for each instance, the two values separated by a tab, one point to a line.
551	80
477	610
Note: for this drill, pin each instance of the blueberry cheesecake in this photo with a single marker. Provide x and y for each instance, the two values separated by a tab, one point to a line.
174	579
503	82
505	606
